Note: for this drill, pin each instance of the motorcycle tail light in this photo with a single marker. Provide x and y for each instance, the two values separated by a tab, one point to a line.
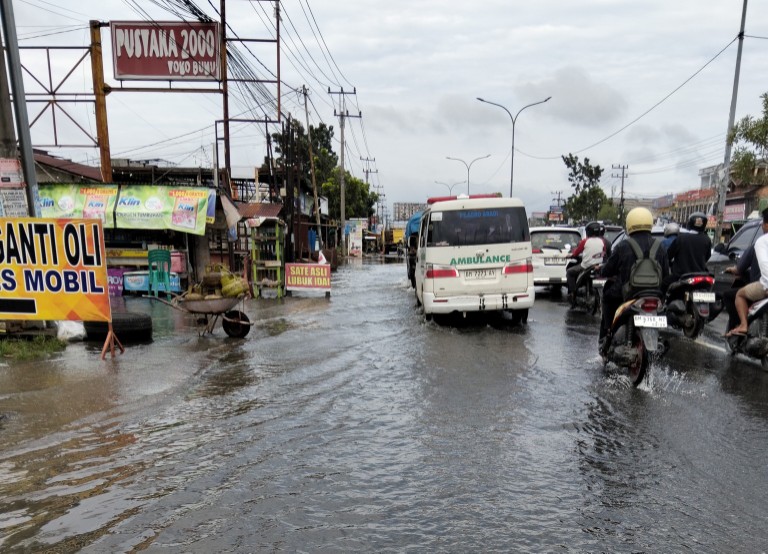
648	304
441	271
700	280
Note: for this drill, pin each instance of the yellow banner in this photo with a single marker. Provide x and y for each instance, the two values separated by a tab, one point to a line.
53	269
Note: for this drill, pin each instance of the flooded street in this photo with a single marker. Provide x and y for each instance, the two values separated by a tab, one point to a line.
349	424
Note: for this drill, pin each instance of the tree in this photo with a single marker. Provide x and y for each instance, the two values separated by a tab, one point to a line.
326	159
358	198
588	198
751	137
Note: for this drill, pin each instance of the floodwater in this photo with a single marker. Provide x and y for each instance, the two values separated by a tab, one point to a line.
349	424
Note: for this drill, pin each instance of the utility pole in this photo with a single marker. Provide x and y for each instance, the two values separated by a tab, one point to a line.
314	181
621	198
367	170
558	202
343	114
722	189
20	106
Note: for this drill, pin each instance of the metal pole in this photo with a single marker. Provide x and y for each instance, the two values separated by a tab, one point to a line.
514	120
723	187
20	106
468	165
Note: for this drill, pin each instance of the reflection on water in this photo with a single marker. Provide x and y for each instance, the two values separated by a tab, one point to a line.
351	424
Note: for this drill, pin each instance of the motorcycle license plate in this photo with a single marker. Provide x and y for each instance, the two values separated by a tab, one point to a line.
703	296
598	283
655	321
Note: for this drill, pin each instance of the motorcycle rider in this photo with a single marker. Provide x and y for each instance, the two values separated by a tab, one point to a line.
746	271
671	230
592	252
690	251
756	290
619	265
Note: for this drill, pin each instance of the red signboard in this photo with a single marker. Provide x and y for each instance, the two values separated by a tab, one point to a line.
165	50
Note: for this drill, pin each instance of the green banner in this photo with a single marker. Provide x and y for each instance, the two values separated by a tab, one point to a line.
79	202
154	207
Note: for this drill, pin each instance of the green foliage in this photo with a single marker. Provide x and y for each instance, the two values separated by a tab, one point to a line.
359	201
588	199
608	212
25	349
326	159
751	136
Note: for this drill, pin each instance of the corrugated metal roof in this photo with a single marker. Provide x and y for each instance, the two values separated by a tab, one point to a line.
260	209
87	171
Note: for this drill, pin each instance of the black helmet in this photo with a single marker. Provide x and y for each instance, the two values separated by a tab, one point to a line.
593	229
697	221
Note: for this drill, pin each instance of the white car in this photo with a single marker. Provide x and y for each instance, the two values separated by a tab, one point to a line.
551	247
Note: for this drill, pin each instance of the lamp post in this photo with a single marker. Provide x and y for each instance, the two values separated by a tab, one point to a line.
450	187
468	165
514	120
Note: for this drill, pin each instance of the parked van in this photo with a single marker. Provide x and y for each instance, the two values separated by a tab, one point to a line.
474	254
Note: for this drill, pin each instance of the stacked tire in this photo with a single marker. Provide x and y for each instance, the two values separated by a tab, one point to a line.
128	327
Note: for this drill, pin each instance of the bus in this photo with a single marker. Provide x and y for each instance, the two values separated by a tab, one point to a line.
474	255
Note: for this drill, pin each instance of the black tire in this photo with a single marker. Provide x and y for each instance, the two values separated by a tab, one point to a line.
127	326
692	331
235	329
519	317
595	303
636	372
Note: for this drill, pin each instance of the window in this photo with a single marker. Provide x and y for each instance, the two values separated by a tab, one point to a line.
743	239
478	226
554	239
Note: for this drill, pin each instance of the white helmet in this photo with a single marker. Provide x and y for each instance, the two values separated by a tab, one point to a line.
671	229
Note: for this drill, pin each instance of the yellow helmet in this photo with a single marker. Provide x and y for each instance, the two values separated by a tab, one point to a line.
639	219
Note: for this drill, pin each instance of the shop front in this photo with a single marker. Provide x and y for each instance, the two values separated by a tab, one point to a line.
137	219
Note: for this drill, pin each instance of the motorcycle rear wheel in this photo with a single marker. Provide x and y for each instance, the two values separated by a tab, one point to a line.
693	330
637	370
595	303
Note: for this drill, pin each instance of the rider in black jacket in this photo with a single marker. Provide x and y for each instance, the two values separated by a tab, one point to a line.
619	264
690	252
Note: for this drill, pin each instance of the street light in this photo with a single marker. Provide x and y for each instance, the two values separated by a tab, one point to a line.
514	120
468	165
450	187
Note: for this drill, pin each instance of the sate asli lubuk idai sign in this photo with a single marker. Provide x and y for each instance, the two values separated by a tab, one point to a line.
53	269
165	50
315	277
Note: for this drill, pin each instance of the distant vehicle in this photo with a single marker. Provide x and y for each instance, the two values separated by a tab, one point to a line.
411	243
613	231
551	247
657	232
726	254
474	254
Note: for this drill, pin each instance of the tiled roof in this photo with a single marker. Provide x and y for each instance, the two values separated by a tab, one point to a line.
68	166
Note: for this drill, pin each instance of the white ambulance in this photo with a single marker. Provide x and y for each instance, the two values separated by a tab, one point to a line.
474	254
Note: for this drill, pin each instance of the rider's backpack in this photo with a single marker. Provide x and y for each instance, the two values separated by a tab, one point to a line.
645	272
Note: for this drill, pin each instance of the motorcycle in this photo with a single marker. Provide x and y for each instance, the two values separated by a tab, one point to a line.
755	343
689	301
588	295
634	336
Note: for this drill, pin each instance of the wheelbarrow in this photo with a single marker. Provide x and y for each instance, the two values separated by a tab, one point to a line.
234	322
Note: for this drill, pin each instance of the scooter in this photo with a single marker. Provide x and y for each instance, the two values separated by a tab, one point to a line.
689	301
634	337
755	343
588	295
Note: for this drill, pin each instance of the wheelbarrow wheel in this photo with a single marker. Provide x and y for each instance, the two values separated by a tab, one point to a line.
236	324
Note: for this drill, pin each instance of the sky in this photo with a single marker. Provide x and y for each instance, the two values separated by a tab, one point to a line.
644	84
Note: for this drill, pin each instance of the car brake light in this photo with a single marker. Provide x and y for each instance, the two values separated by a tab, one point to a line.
523	266
441	271
536	250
